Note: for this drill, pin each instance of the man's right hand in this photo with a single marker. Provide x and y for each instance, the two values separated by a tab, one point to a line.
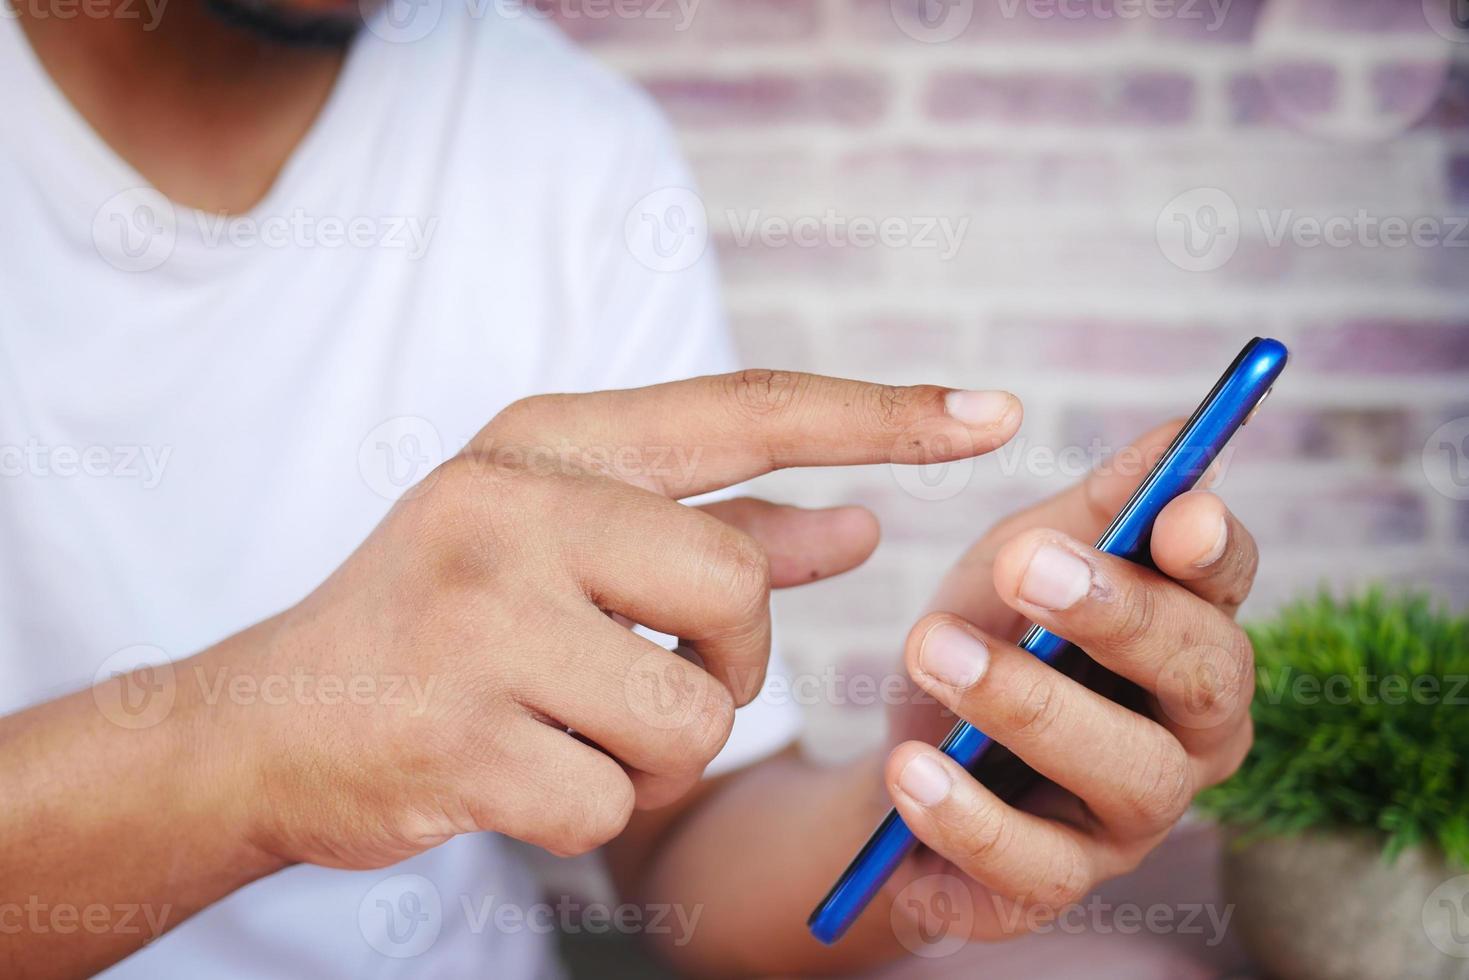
493	586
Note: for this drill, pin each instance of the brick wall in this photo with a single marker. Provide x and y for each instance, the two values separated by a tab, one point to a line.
1055	137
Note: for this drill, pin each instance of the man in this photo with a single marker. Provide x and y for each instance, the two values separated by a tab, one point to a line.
204	419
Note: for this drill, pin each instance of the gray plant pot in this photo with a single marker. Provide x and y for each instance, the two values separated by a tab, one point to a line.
1326	906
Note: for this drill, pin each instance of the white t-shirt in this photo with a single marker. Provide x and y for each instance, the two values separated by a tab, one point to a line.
199	420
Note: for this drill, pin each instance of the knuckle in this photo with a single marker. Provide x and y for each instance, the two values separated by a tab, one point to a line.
457	478
890	405
686	721
981	831
1159	789
449	525
1242	660
521	408
743	567
1067	881
480	508
1226	760
1228	682
1037	711
598	818
1235	693
523	416
758	392
1234	756
1236	593
475	486
1137	618
712	723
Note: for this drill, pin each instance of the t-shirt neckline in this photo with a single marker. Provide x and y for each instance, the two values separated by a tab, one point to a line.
100	171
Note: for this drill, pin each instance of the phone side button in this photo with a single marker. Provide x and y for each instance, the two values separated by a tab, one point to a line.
1256	410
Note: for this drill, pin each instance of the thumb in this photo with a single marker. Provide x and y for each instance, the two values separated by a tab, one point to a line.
803	545
1083	511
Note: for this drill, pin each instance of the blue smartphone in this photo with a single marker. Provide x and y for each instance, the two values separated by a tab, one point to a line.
1229	405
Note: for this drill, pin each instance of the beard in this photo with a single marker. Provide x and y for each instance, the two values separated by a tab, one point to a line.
281	25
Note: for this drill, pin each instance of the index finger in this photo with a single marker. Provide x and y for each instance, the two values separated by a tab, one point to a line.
689	437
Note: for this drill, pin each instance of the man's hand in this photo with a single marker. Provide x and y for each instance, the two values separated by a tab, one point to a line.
495	583
497	589
1121	779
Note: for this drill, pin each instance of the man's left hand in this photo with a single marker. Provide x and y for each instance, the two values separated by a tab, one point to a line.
1120	779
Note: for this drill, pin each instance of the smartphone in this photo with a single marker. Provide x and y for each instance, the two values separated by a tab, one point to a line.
1232	402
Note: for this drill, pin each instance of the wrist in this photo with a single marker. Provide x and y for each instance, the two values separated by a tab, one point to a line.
221	746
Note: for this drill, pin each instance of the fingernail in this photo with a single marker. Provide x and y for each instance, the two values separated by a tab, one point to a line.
978	407
1056	579
953	655
925	780
1217	551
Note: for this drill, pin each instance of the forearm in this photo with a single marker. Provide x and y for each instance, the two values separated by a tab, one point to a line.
111	835
754	857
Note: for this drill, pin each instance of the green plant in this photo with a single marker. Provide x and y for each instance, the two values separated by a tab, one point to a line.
1361	721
